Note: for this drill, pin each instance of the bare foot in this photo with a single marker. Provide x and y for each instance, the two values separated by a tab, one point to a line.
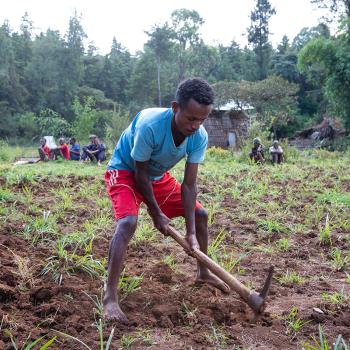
211	279
112	311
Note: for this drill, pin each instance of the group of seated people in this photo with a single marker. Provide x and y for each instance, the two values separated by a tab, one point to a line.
94	151
257	152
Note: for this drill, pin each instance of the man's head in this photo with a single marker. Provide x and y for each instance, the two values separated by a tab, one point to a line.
43	141
92	138
275	144
61	140
72	140
256	142
194	102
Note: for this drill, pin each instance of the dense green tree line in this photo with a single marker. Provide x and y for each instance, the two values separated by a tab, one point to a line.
51	83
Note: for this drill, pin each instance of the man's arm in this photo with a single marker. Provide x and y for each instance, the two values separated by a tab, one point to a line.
144	185
189	196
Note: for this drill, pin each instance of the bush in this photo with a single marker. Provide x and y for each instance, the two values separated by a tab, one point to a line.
118	122
5	151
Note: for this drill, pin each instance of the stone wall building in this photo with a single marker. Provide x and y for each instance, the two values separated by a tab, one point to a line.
227	128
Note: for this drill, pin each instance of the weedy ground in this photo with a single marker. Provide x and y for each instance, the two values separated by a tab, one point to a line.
56	224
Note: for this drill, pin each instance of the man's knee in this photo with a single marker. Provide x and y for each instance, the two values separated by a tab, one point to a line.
201	215
126	226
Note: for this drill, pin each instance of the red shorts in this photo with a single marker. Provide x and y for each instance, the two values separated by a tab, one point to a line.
126	199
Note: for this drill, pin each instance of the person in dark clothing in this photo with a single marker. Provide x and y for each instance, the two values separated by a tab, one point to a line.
44	150
74	149
95	150
257	152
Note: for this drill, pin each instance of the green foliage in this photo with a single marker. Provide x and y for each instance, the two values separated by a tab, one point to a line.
258	35
118	122
50	123
322	342
331	57
85	118
293	322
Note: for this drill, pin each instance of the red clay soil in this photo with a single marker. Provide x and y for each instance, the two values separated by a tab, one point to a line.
169	307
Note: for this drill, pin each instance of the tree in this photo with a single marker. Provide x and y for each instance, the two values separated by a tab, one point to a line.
116	73
186	24
335	6
160	42
258	35
46	76
332	58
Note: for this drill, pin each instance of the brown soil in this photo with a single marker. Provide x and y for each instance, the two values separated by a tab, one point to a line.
176	313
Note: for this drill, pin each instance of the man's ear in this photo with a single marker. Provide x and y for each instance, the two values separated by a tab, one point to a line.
175	106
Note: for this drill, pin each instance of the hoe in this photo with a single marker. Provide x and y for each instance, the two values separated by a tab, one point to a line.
255	300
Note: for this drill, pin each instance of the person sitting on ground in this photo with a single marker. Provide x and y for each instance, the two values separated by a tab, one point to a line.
95	149
64	149
44	150
61	151
257	152
276	153
74	149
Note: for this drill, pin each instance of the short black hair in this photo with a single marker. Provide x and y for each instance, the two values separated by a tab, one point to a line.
195	88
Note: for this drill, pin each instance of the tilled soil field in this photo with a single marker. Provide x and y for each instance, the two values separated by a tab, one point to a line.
52	275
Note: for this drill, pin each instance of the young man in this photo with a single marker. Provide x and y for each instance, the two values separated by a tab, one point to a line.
276	153
64	149
44	150
74	149
257	152
154	142
96	150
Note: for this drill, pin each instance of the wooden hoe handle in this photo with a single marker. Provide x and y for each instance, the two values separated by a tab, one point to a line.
252	298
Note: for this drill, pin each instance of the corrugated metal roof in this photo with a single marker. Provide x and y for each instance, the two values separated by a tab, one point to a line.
236	106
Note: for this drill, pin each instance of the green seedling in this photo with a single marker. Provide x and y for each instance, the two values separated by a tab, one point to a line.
129	284
283	244
65	262
98	304
189	314
102	344
145	232
126	341
41	228
170	261
322	343
29	344
293	322
336	298
339	260
290	278
325	232
218	338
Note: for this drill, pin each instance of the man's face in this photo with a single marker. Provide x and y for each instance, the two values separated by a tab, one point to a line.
61	141
191	117
71	142
92	140
43	142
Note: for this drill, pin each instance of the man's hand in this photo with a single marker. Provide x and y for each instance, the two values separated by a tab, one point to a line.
192	241
161	222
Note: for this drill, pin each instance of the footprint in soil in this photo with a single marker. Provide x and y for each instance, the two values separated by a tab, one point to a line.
7	293
41	295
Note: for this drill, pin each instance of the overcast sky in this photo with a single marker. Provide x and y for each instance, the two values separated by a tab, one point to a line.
225	20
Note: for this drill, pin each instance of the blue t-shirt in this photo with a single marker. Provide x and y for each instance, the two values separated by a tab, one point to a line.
75	148
149	138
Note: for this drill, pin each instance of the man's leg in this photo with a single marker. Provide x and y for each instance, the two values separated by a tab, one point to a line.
279	158
43	156
203	274
123	233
